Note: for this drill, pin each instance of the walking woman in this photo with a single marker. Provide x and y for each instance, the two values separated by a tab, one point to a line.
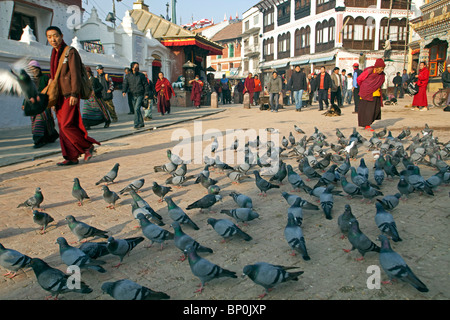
164	91
370	82
420	101
94	109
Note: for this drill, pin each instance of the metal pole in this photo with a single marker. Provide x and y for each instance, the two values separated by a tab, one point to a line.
389	21
114	13
408	7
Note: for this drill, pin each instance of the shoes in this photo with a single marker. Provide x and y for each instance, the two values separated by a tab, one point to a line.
130	113
369	128
88	153
138	127
424	109
107	123
298	110
415	108
148	118
39	145
67	163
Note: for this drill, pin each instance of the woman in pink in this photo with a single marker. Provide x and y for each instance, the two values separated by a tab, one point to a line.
420	101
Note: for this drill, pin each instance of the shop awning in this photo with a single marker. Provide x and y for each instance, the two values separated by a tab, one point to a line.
299	62
323	59
278	66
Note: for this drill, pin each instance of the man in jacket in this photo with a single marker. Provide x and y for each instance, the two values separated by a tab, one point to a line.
137	84
258	89
274	87
127	71
397	81
297	84
336	87
356	98
324	84
107	93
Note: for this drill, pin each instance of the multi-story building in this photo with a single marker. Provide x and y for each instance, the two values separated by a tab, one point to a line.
251	30
315	33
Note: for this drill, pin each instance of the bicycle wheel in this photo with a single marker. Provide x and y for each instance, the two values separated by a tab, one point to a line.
440	98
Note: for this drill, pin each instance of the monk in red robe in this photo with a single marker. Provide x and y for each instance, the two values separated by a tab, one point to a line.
196	93
73	136
249	86
420	101
164	91
370	82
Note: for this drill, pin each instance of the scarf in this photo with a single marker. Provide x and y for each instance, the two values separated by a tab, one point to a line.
369	82
54	60
167	91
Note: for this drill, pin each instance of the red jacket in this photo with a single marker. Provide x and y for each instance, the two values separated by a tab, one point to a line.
249	85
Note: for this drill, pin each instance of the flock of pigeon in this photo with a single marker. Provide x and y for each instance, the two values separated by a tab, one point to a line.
325	163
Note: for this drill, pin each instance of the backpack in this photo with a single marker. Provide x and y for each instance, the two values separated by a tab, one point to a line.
86	85
412	88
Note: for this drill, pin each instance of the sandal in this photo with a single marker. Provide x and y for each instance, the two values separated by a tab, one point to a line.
67	163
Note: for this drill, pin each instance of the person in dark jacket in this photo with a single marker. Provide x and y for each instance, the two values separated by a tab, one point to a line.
356	98
107	93
324	87
127	71
137	84
397	81
95	111
297	84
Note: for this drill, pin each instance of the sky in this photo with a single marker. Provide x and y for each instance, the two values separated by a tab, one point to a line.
186	9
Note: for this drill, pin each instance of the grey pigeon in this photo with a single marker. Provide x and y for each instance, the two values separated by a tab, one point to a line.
12	260
325	162
385	222
362	170
237	176
204	269
281	174
125	289
205	202
241	214
178	180
183	240
284	142
78	192
206	182
227	229
389	168
82	230
327	202
263	185
213	189
378	174
269	275
343	168
235	144
328	177
296	211
344	220
404	187
95	250
169	167
293	234
296	181
34	201
173	157
222	165
359	240
43	219
242	200
54	280
134	185
368	192
177	214
298	129
291	139
110	176
390	202
141	203
309	171
395	266
122	247
349	188
317	191
110	197
181	170
419	182
148	212
291	198
75	256
160	191
214	145
359	180
153	232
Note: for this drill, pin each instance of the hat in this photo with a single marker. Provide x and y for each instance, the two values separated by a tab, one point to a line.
356	64
99	67
34	63
379	63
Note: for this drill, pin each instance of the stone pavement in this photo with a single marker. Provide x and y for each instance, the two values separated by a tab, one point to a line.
16	145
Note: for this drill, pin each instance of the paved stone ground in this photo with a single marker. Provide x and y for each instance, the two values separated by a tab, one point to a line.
331	274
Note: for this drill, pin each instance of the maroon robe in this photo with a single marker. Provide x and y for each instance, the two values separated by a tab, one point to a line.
196	93
420	99
164	94
369	108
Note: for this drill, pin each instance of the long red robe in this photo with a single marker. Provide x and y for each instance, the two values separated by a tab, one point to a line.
420	99
196	93
369	108
73	136
164	95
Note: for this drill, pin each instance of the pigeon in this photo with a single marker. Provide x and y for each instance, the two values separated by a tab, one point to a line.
395	266
343	168
362	170
317	191
385	222
325	162
281	174
205	172
205	203
349	188
83	231
344	219
110	197
290	199
359	240
94	250
382	133
419	182
404	187
160	191
43	219
359	180
178	180
298	129
390	202
75	256
34	201
204	269
284	142
213	189
222	165
263	185
296	211
148	212
12	260
183	240
180	171
78	192
173	157
167	167
125	289
309	171
242	200
214	145
241	214
177	214
227	229
296	181
54	280
235	145
328	177
378	174
269	275
390	169
122	247
291	138
134	185
153	232
368	192
110	176
293	234
206	182
327	202
352	150
236	176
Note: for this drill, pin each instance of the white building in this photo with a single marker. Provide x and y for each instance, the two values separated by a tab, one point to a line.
251	44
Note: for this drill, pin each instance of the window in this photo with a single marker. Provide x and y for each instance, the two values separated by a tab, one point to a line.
20	21
247	25
284	13
255	20
269	20
231	50
438	53
255	40
359	33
